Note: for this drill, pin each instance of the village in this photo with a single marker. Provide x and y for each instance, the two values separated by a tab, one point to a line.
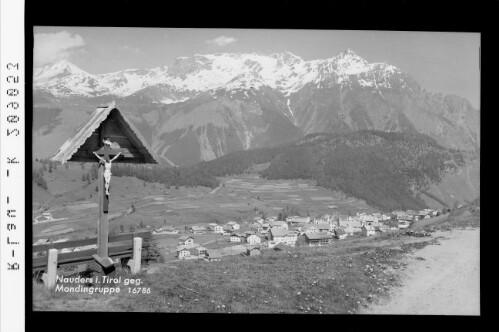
252	236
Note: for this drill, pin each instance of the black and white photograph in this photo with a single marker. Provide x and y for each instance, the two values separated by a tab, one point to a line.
255	171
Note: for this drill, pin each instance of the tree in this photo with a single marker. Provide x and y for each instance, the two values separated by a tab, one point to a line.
122	229
133	208
131	228
141	225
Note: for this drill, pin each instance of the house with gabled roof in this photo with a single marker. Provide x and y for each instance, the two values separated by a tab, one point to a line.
197	229
278	224
253	239
213	255
370	220
254	251
216	228
368	230
183	253
314	239
201	251
324	227
263	228
186	241
236	237
310	229
339	233
227	230
278	234
233	225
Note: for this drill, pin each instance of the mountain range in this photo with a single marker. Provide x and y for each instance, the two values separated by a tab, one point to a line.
205	106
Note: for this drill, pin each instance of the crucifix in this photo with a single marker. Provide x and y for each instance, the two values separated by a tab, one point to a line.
93	140
107	151
103	180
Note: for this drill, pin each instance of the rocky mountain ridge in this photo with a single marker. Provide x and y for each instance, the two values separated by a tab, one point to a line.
205	106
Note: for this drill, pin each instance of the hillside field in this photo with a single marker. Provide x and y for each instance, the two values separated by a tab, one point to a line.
73	202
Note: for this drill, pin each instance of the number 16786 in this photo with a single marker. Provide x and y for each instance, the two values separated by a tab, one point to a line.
139	290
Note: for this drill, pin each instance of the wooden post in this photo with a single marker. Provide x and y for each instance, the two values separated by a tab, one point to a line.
102	225
51	268
137	255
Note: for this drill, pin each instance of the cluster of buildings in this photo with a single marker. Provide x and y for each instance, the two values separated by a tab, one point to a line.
270	232
165	230
187	249
226	229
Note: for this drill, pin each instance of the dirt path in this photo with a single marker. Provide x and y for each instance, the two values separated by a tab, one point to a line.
446	282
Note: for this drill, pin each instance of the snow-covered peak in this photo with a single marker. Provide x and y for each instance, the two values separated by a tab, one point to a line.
285	72
58	70
349	63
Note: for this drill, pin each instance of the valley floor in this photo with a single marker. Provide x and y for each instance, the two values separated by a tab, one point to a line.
439	279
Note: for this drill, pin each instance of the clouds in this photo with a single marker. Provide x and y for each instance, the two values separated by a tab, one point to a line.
222	40
49	47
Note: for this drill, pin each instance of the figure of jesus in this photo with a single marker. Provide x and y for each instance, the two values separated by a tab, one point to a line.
107	170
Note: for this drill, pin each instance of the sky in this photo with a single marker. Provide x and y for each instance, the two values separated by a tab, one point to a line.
446	62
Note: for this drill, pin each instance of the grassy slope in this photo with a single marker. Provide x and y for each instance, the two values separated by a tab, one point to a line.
337	279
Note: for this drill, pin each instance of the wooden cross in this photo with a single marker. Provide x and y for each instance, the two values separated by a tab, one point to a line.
87	143
103	224
107	151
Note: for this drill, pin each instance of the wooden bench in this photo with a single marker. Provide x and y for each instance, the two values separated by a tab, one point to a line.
120	247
